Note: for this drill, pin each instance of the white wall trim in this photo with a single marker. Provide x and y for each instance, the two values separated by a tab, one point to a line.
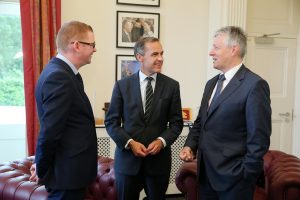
237	13
296	113
224	13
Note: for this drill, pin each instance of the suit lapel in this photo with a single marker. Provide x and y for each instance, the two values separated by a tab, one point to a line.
207	95
86	99
234	83
159	86
79	87
135	84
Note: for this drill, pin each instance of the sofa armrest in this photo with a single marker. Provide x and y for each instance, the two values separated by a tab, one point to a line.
186	180
15	184
283	178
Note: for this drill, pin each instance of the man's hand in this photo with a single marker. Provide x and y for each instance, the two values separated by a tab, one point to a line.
138	149
155	147
33	177
186	154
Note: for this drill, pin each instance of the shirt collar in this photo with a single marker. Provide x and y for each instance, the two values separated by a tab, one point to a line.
63	58
230	73
143	76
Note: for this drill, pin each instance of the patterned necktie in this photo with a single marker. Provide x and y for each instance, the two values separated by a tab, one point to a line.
149	98
219	88
78	76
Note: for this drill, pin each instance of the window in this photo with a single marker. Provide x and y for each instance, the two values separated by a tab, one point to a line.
12	109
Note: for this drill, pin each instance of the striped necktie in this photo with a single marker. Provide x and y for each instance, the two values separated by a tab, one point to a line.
149	98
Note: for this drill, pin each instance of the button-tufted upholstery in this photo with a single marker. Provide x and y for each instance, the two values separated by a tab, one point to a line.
15	184
282	178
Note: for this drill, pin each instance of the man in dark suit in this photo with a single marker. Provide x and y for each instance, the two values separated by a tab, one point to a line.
66	152
144	134
232	131
126	30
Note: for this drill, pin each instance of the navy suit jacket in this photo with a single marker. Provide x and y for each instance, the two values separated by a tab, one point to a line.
125	120
66	153
234	136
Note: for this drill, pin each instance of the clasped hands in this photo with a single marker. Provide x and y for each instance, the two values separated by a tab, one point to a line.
186	154
140	150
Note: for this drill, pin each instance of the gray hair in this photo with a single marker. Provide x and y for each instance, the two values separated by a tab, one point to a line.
139	47
235	36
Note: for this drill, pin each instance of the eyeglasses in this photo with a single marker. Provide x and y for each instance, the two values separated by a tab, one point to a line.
93	44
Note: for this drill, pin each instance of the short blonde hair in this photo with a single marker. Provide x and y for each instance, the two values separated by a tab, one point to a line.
71	31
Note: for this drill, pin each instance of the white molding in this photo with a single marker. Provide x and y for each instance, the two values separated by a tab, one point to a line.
296	112
237	13
224	13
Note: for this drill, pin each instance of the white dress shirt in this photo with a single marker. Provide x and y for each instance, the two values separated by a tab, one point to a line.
143	84
63	58
228	75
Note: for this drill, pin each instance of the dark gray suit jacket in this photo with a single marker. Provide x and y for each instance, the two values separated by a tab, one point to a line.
234	136
66	153
125	120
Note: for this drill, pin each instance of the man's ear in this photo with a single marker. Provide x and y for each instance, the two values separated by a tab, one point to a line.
139	57
75	46
235	50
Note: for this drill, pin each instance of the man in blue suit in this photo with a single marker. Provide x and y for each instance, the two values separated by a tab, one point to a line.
66	152
143	134
232	131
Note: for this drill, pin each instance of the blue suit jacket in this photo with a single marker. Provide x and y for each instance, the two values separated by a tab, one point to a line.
234	136
125	120
66	153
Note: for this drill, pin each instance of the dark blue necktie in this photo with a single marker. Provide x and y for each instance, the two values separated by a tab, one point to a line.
149	98
219	88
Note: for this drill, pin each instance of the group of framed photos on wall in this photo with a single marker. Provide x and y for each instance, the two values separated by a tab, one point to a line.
132	25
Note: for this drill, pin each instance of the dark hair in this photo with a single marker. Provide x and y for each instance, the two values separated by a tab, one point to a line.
235	36
139	47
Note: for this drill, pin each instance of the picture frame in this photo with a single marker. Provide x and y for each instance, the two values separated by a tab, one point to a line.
154	3
133	25
126	65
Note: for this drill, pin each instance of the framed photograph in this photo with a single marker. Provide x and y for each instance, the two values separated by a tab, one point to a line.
155	3
133	25
126	65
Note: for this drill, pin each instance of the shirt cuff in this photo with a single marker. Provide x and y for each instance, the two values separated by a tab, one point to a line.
127	144
163	141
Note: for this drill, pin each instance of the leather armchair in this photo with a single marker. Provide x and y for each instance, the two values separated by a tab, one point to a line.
281	181
15	184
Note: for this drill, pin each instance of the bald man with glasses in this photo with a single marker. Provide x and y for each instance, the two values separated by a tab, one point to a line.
66	151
